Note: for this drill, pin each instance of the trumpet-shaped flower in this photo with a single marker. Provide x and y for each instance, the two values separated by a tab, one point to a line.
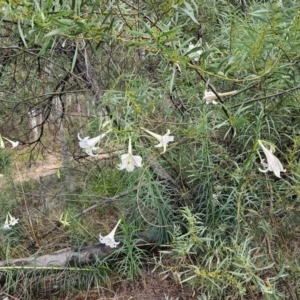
1	142
109	240
89	145
12	220
6	224
163	139
130	161
14	144
274	164
210	96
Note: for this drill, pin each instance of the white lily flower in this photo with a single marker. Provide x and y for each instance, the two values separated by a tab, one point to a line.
13	221
109	240
130	161
1	142
14	144
89	145
210	96
163	139
194	55
274	164
6	224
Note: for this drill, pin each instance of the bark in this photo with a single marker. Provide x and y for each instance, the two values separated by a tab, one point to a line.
86	71
64	258
35	120
74	257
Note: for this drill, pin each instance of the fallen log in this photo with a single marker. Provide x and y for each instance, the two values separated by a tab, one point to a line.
68	257
75	257
65	258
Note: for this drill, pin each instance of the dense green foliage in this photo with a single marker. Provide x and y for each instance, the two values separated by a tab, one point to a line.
223	227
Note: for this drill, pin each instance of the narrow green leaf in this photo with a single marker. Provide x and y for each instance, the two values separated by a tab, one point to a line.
107	15
170	32
195	49
47	44
63	13
238	274
74	58
21	33
172	79
259	12
49	4
56	31
206	53
147	28
136	33
189	11
188	279
64	22
279	275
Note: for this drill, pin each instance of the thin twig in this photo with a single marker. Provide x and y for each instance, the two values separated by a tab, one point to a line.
106	200
266	97
103	200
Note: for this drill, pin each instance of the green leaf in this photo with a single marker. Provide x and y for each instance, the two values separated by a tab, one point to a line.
259	12
49	4
57	31
21	33
62	13
172	79
189	11
206	53
170	32
65	22
136	33
195	49
47	44
239	122
147	28
74	57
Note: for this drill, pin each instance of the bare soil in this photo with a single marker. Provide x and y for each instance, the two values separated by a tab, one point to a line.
149	286
41	168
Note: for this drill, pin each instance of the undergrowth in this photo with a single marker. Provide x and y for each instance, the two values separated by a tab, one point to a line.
205	203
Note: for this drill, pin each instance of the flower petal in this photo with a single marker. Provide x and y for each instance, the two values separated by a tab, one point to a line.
129	161
109	240
89	151
14	144
274	164
209	96
163	139
155	135
137	160
264	171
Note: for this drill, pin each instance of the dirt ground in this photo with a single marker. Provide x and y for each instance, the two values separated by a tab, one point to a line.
150	286
41	168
